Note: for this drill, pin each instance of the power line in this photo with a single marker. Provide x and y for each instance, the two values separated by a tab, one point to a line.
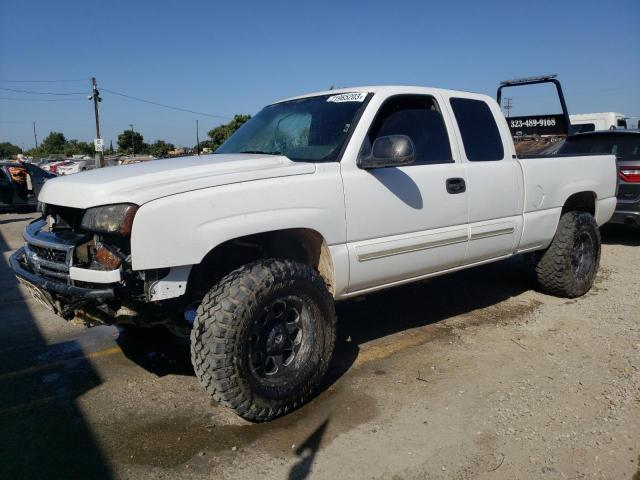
42	99
41	93
46	81
59	124
164	105
74	124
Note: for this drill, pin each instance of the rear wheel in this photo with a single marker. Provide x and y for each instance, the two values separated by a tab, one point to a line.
263	338
569	266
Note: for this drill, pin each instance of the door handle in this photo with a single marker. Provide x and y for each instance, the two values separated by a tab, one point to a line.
456	185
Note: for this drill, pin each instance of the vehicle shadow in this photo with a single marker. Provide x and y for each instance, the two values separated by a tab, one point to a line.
14	220
19	209
613	234
424	303
156	350
401	185
362	320
43	433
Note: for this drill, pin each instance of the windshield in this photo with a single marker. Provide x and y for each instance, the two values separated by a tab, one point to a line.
311	129
624	147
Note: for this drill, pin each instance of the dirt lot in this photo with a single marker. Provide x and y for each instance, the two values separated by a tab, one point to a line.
472	375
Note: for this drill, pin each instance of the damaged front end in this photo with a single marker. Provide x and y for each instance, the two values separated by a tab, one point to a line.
77	263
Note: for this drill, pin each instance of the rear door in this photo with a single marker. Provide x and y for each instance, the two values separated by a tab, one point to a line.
494	180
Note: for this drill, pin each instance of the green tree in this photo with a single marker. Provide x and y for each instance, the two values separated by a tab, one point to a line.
160	148
54	143
220	134
75	147
8	150
131	141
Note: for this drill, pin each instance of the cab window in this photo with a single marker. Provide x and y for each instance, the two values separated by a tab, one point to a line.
480	134
419	118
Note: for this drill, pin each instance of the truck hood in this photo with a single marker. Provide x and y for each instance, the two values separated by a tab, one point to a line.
140	183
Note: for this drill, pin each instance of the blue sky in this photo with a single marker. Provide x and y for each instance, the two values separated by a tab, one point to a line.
234	57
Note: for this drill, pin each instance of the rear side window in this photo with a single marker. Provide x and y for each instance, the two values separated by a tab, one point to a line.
480	134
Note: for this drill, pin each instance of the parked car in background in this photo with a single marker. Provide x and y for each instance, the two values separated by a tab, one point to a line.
69	167
590	122
20	184
38	162
625	145
51	165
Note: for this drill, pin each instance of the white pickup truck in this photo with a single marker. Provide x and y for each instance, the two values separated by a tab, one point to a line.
317	198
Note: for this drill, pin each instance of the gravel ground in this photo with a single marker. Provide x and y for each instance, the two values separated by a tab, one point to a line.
471	375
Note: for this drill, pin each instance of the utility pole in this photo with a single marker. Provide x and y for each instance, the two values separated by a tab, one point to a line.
197	138
35	137
507	105
95	96
133	143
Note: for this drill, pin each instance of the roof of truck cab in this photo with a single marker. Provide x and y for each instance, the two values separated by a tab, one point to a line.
387	89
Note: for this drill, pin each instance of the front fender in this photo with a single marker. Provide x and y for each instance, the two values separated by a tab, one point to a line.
182	229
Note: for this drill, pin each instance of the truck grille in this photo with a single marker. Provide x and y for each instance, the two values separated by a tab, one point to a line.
50	263
49	254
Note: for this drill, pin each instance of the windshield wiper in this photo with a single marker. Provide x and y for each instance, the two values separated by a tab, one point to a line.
261	152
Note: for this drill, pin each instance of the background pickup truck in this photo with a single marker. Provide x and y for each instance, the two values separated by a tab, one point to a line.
317	198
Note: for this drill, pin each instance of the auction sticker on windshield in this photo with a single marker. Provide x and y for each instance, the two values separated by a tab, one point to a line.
348	97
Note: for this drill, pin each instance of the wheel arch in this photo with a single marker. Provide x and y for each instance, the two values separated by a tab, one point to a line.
585	201
303	245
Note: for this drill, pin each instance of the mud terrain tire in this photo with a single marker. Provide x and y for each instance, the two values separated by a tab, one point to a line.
263	338
569	265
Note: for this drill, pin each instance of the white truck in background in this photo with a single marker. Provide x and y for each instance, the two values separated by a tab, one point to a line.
317	198
591	122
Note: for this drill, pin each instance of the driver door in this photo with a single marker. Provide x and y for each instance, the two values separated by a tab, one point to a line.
406	222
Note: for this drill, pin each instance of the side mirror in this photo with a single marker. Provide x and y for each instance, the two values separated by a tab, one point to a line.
389	151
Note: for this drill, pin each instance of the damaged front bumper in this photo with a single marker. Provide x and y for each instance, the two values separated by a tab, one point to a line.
60	270
20	265
45	265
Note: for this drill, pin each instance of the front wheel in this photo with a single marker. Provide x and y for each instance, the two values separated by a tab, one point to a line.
569	266
263	338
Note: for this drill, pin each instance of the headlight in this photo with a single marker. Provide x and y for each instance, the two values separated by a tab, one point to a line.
110	219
